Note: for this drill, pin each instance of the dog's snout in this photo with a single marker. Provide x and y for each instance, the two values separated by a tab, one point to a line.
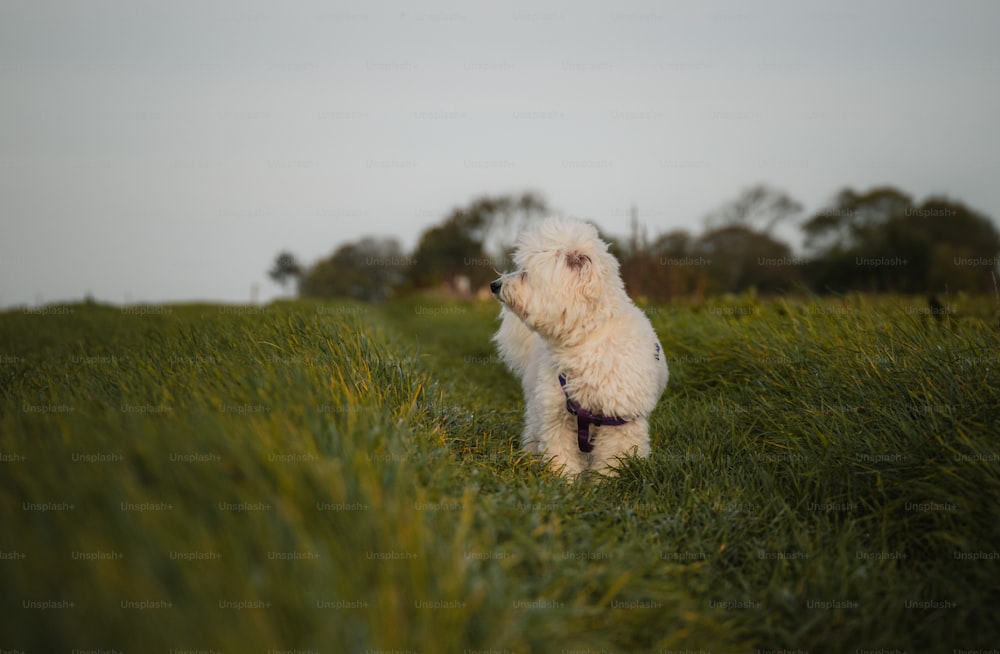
495	287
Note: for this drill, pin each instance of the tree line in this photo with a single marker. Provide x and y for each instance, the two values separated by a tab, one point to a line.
879	240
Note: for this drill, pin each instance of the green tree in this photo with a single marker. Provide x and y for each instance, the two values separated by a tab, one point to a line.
740	249
285	268
853	221
472	241
738	258
881	241
964	245
760	208
444	253
368	270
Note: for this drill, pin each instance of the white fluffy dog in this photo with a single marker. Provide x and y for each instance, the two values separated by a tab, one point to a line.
589	360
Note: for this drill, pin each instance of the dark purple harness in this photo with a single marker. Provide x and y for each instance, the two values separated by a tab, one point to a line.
584	419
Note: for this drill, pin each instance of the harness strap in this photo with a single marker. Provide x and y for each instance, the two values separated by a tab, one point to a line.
584	419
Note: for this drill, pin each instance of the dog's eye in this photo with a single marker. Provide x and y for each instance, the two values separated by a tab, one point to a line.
524	275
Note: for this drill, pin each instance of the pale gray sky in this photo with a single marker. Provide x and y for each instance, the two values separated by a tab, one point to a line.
166	151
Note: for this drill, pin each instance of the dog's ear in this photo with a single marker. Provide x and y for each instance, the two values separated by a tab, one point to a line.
587	282
576	260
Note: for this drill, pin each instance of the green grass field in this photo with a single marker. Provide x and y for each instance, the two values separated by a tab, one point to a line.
337	478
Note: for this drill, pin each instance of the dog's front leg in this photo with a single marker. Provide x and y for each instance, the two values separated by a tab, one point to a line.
560	445
612	444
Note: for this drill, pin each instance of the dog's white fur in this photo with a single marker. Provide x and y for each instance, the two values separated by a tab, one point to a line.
565	311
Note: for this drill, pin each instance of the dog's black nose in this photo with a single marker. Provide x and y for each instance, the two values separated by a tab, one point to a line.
495	287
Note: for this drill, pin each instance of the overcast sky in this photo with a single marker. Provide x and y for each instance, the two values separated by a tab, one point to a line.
166	151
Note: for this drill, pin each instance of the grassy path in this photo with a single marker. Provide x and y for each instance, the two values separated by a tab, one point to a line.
337	478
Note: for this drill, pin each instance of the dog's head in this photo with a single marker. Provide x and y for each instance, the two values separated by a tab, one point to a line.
565	275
